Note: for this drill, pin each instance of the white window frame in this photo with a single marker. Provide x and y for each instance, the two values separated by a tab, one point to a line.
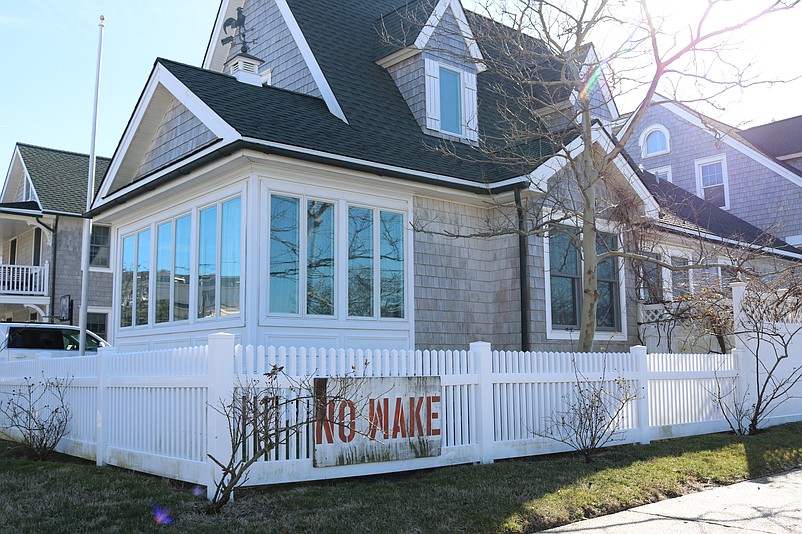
108	268
560	333
701	162
645	134
469	107
664	170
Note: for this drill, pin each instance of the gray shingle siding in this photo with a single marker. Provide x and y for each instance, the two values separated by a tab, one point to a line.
410	77
68	267
276	46
179	134
752	186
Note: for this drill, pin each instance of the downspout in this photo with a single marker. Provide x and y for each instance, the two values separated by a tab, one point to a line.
53	256
523	271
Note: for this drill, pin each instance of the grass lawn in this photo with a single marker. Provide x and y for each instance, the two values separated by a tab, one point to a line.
527	495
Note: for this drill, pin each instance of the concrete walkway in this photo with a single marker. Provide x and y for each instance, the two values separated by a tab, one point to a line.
772	504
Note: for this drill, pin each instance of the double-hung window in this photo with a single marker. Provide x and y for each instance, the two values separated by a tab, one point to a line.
711	181
304	275
451	100
565	280
99	246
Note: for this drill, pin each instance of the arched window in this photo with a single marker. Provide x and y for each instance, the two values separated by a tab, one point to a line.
654	141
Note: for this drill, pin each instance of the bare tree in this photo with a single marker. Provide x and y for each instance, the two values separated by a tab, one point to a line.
553	97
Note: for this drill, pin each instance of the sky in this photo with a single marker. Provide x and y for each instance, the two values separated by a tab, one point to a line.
49	53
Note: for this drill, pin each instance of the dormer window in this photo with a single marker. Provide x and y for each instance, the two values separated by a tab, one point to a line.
451	101
654	141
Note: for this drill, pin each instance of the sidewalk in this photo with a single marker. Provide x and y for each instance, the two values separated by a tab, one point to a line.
772	504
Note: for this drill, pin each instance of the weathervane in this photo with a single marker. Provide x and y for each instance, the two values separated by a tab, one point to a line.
240	32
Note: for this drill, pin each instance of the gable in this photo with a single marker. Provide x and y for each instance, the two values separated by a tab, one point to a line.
179	134
169	125
14	186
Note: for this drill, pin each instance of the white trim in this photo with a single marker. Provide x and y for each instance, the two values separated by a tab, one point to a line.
599	335
645	135
790	156
665	169
161	77
462	22
311	62
699	163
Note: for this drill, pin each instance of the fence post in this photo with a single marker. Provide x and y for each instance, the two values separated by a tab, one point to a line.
103	353
484	393
638	352
220	388
738	290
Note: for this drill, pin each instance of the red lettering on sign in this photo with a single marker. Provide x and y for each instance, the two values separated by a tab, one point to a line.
414	416
379	417
325	424
431	415
399	422
350	425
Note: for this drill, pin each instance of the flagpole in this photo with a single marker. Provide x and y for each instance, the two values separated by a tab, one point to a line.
90	194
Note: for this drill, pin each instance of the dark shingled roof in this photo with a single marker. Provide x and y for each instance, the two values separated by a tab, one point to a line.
400	27
60	177
698	212
777	139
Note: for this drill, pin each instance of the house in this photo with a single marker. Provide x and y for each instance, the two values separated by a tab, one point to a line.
295	191
41	228
755	174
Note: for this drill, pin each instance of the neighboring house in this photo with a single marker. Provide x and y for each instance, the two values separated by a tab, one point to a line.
41	228
755	174
273	193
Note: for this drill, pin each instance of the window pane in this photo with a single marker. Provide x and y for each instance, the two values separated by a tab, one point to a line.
360	262
207	262
99	245
392	265
606	309
450	101
715	195
712	174
563	254
164	252
127	282
284	247
564	310
320	258
606	269
37	248
181	270
680	281
231	228
142	277
655	142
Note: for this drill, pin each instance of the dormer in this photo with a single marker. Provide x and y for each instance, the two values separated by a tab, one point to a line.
430	51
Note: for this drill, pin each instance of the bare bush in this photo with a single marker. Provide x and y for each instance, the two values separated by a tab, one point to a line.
37	414
593	413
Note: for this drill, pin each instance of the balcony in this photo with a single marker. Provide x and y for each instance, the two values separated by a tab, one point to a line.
25	280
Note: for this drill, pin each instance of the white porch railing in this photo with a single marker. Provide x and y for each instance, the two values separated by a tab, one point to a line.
25	280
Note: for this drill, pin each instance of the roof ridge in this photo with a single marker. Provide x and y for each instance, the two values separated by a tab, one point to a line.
228	76
59	150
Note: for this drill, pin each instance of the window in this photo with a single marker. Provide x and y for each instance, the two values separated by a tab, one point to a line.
37	247
565	280
651	281
662	174
680	280
711	181
450	101
303	273
451	104
167	263
98	323
654	141
99	246
12	253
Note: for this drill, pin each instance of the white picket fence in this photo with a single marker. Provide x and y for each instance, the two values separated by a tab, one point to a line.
152	411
